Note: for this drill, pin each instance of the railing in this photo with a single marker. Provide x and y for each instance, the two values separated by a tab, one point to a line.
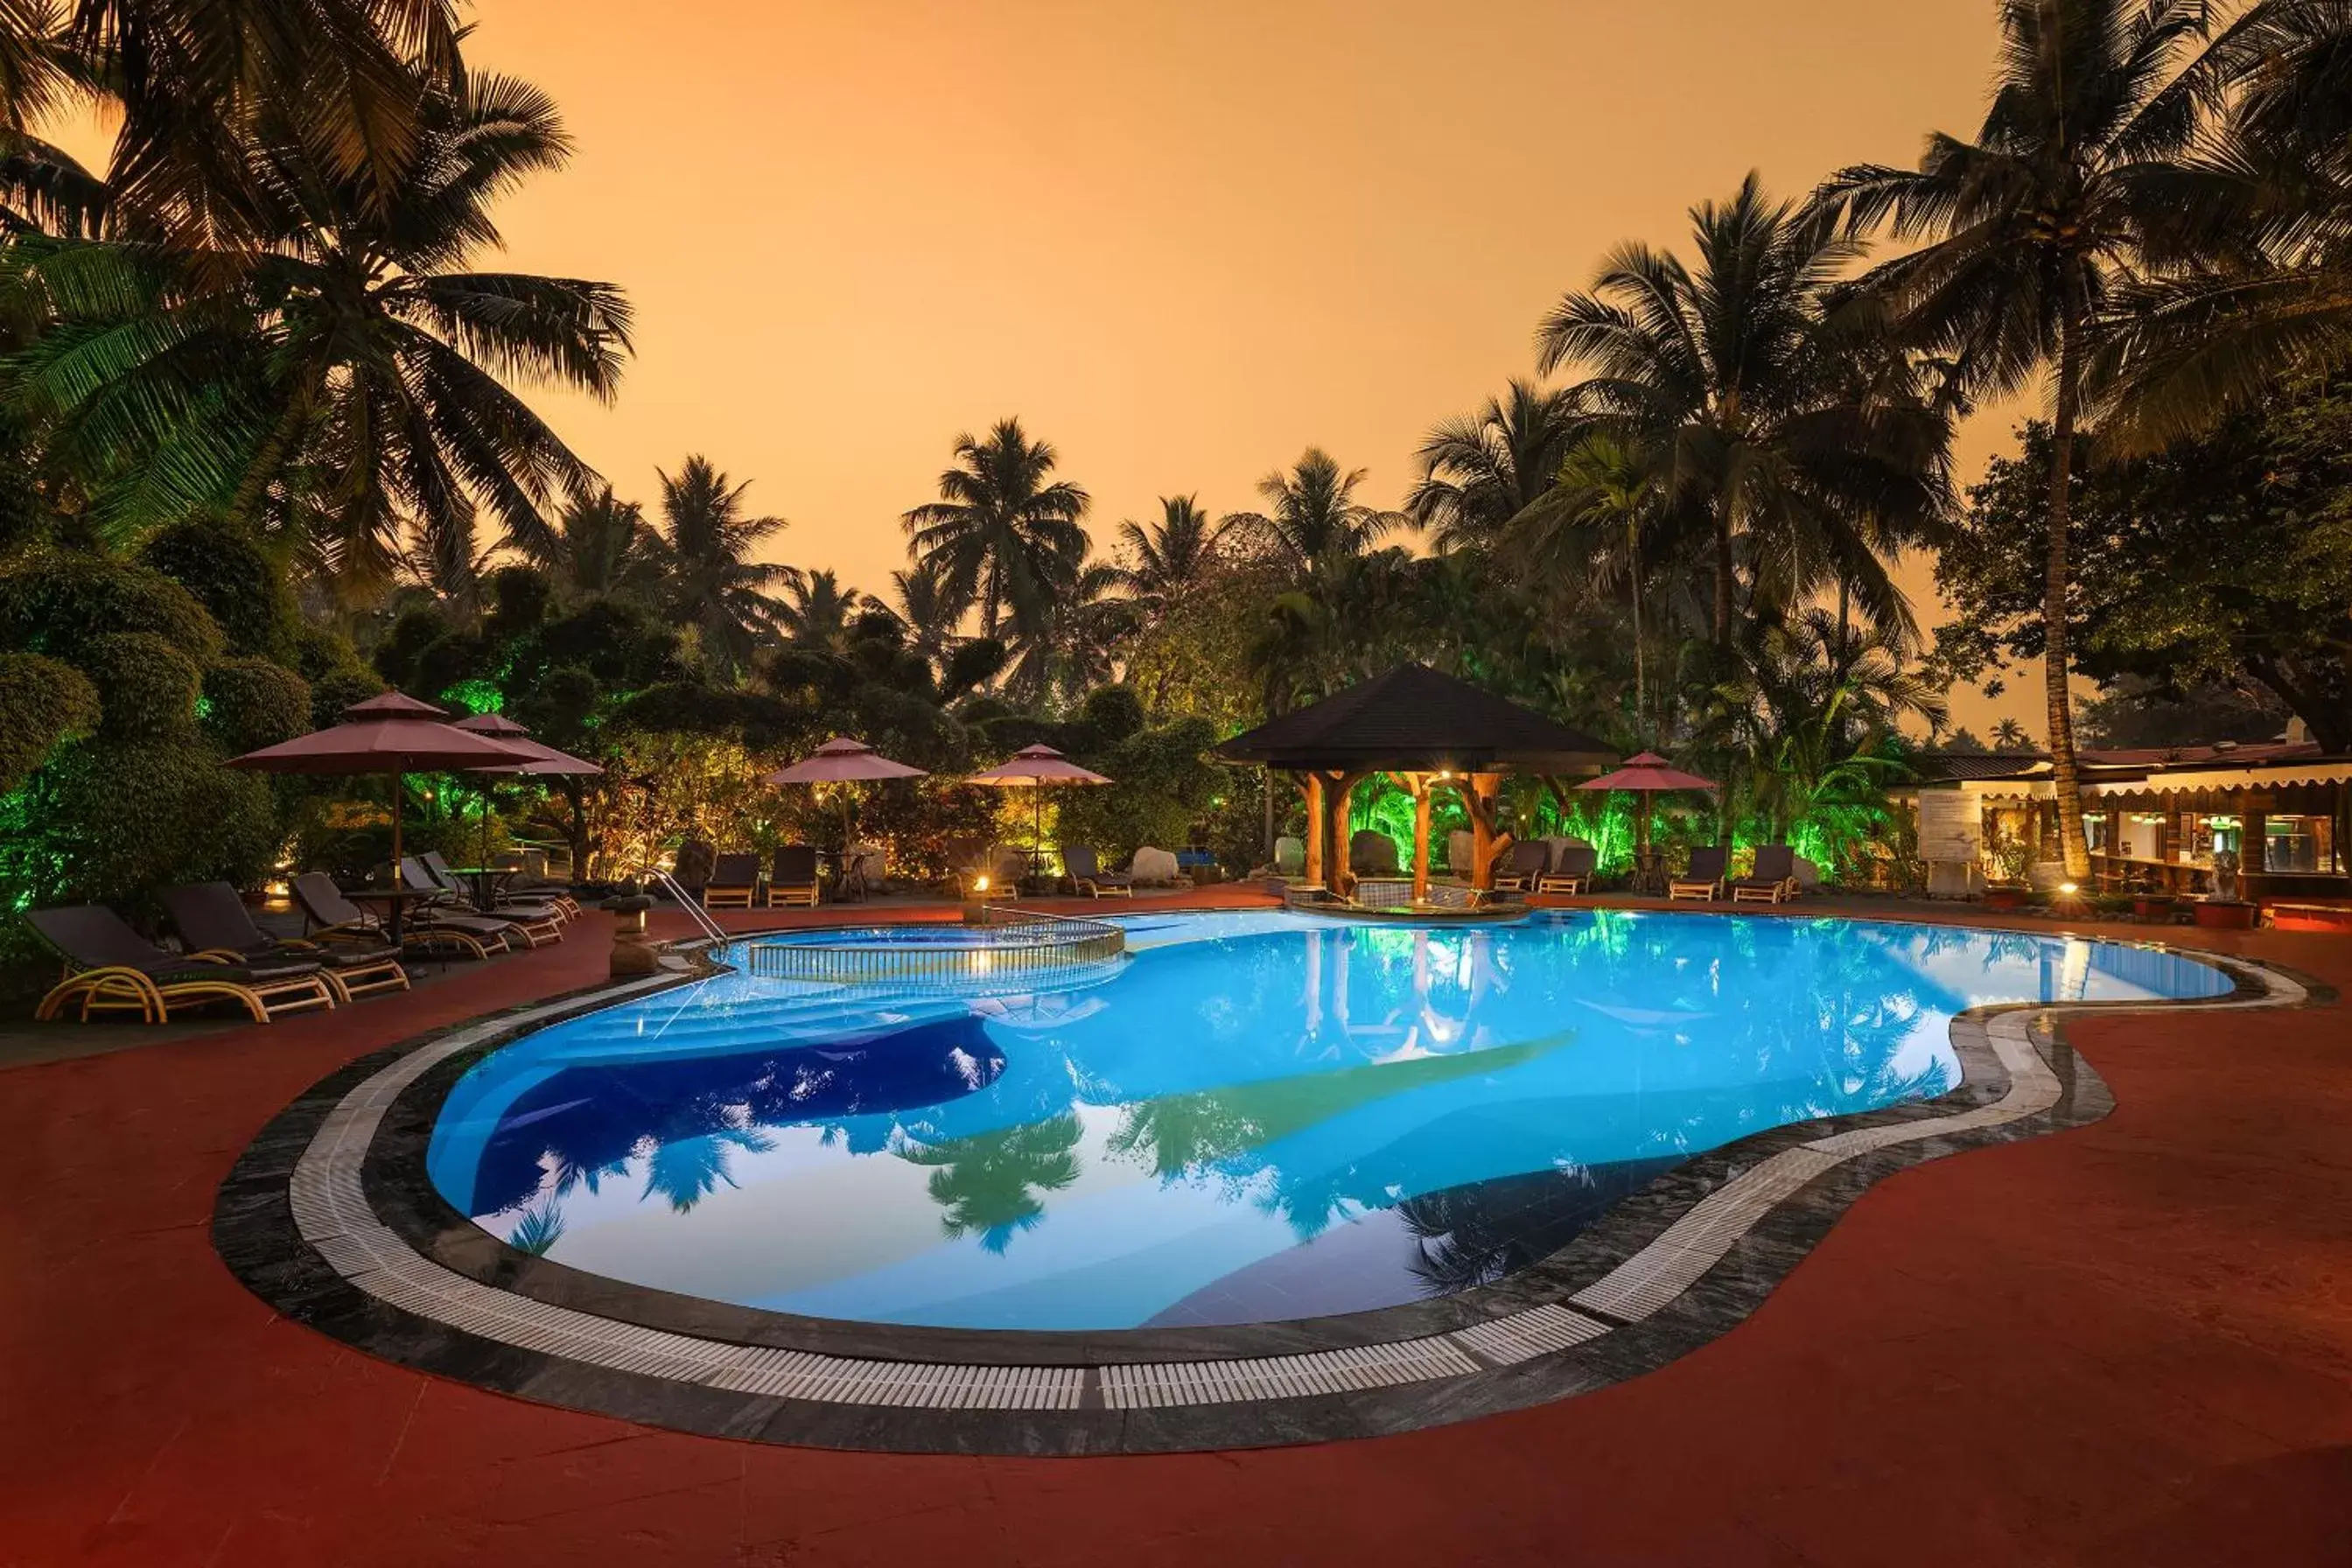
693	907
1012	944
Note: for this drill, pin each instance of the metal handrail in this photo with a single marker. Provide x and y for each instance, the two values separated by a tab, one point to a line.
1014	916
700	916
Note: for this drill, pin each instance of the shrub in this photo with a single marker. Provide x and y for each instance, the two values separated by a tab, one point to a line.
337	690
146	686
42	702
235	579
251	703
115	821
56	602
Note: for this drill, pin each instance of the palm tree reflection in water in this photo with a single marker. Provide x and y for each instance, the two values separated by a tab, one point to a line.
990	1183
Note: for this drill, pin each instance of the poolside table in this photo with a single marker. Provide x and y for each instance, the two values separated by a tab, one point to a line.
395	901
487	882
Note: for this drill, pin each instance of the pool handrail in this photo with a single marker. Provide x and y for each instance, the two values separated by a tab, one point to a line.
700	916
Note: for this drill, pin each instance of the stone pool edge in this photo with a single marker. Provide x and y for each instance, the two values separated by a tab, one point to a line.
321	1216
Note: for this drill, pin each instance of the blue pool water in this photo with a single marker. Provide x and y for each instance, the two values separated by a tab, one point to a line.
1254	1116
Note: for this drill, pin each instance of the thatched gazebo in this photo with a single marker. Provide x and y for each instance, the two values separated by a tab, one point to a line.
1427	730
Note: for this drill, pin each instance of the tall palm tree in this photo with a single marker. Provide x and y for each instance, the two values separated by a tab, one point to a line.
1313	523
817	611
1735	374
715	585
1167	560
345	374
1480	471
1002	532
603	546
2072	186
1072	644
924	610
1597	522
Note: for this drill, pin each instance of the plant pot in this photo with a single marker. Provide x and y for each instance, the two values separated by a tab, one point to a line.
2214	915
2005	897
2154	907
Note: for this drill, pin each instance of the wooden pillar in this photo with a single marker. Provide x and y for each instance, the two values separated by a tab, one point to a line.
1313	784
1481	798
1342	876
1419	785
2254	828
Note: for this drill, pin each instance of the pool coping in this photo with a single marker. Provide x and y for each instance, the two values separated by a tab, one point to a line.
329	1217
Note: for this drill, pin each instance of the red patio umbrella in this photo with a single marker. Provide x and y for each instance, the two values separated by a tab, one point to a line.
542	760
843	760
390	734
1033	768
1645	775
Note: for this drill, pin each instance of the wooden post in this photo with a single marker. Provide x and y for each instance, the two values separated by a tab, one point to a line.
1313	785
1419	785
1343	875
2253	853
1481	797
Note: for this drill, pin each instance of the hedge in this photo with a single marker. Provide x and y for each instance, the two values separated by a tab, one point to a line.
146	686
42	702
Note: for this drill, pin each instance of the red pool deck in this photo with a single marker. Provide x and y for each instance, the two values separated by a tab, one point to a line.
2127	1344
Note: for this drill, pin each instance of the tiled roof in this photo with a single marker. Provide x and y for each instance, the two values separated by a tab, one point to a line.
1413	717
1946	767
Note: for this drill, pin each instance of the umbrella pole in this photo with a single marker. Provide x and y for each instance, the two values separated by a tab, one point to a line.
396	793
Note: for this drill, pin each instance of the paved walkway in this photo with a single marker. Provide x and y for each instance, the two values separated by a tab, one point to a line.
2127	1344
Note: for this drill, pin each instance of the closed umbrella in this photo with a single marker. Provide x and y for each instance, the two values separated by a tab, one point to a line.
392	735
1645	775
1034	768
843	760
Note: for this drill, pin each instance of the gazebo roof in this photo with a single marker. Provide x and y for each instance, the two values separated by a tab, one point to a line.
1414	717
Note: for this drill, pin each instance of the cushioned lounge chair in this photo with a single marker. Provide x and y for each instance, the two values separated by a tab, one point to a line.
215	924
1773	881
1704	881
734	881
792	876
1572	873
116	970
334	917
452	910
1088	876
505	907
1526	861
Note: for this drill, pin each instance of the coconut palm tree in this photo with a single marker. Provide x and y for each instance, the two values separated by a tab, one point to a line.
1167	560
817	611
2074	185
1480	471
1736	374
715	586
1002	532
923	610
603	546
2011	736
344	375
1313	524
1599	521
1072	644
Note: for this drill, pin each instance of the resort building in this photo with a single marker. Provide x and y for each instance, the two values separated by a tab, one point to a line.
2159	820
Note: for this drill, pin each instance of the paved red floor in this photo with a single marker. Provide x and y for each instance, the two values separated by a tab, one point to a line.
2127	1344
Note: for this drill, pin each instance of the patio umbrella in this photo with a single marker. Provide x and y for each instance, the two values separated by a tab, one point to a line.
390	734
542	760
1033	768
1645	775
843	760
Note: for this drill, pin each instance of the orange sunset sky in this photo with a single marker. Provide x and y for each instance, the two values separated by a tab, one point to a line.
1182	242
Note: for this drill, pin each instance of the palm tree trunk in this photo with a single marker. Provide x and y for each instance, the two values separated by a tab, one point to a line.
2055	662
1723	579
1633	576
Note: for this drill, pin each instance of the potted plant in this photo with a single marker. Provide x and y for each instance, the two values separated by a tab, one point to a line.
2007	859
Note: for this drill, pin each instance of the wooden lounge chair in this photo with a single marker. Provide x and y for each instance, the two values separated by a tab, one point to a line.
1088	876
1774	879
1573	873
1704	881
215	924
116	970
505	907
734	881
1526	862
451	910
792	876
335	918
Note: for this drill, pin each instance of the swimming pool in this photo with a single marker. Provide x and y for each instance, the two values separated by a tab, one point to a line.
1253	1117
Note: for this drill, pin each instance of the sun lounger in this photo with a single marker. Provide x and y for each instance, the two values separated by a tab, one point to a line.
1086	875
116	970
1527	861
536	930
334	917
215	924
792	876
505	907
1572	873
734	881
1774	879
1704	881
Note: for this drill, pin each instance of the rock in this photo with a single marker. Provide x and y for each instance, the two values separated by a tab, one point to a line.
1153	867
632	960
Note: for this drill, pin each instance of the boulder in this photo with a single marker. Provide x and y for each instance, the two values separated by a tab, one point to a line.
1153	867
